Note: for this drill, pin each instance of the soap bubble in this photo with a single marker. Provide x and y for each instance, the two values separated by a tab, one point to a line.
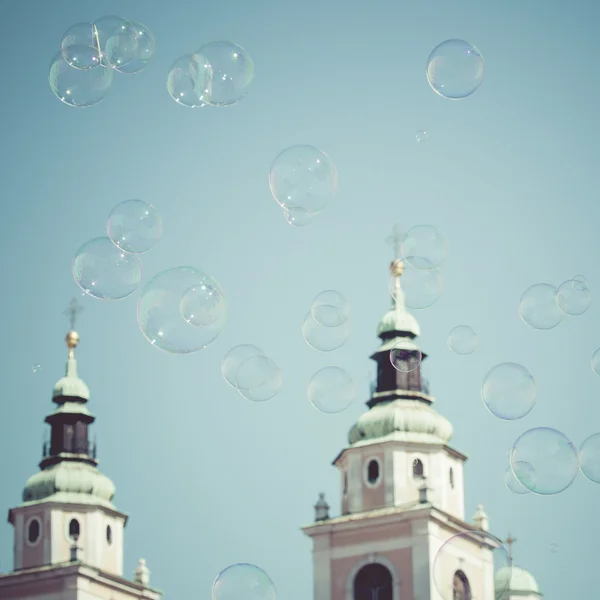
181	84
418	287
303	177
462	340
159	312
258	379
589	458
553	548
573	297
105	272
202	304
424	247
235	358
223	71
324	339
134	226
78	87
509	391
243	581
405	356
552	457
112	37
455	69
330	308
525	472
596	362
538	307
331	390
78	47
145	46
298	217
458	550
422	136
36	368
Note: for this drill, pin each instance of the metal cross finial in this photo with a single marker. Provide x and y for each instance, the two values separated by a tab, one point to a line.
509	541
396	240
74	309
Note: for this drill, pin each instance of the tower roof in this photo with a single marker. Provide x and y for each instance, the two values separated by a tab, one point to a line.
521	581
71	386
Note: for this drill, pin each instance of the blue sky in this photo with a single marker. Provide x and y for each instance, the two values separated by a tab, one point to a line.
509	175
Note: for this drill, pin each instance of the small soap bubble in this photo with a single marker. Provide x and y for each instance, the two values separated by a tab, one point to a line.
159	312
405	356
579	283
202	304
455	69
144	48
330	308
79	88
105	272
552	457
422	136
181	84
458	550
418	287
79	48
223	71
35	368
134	226
589	458
324	339
112	39
424	247
298	217
243	581
331	390
462	340
235	358
258	379
553	548
514	484
538	307
509	391
573	297
596	362
303	177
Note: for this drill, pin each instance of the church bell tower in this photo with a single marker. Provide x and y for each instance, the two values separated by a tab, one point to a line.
68	534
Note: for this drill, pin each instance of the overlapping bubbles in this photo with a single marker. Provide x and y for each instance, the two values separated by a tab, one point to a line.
108	268
218	74
543	305
255	376
81	74
304	182
243	580
452	564
326	326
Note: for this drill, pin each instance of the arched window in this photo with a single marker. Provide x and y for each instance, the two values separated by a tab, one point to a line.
373	471
451	477
345	483
418	471
373	582
461	590
74	529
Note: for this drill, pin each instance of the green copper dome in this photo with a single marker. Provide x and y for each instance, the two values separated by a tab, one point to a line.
69	478
71	385
521	582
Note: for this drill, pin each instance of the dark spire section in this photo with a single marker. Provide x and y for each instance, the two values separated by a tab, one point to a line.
70	422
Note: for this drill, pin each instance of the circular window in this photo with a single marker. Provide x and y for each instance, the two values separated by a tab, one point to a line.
373	471
33	531
74	529
109	535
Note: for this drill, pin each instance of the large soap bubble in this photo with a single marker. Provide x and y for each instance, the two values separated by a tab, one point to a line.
322	338
134	226
424	247
420	286
455	69
259	379
303	177
331	390
509	391
233	360
223	71
78	47
143	49
243	581
462	340
574	297
181	84
330	308
114	41
160	317
538	307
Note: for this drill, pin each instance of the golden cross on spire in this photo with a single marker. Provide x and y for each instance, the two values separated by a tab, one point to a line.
509	541
72	311
396	240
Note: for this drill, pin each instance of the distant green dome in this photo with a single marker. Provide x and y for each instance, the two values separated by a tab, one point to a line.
398	319
71	385
69	478
521	582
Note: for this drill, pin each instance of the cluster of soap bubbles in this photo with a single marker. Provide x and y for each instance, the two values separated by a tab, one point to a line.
326	326
109	268
82	72
218	74
423	249
245	581
304	182
543	306
251	373
456	549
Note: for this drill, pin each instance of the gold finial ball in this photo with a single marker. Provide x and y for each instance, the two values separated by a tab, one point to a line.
397	267
72	339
